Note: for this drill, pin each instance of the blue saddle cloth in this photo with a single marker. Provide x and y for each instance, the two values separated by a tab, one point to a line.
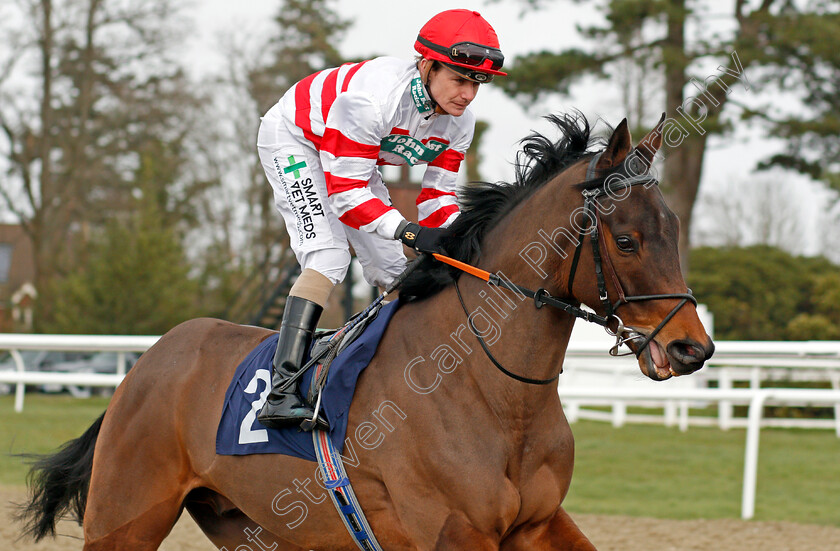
240	433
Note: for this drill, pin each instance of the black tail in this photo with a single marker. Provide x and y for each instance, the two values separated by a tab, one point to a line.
59	484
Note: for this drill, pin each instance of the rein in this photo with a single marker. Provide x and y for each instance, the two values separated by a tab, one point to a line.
500	367
603	269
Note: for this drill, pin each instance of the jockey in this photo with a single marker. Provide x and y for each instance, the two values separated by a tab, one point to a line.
320	146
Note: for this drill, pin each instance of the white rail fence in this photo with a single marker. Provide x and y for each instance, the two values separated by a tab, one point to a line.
591	378
15	343
755	398
734	362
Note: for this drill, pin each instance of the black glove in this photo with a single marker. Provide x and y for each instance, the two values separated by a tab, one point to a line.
421	238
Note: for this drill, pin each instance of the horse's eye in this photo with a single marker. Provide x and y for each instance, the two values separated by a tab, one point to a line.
625	243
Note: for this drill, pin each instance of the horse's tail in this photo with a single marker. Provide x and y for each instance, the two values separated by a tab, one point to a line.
59	484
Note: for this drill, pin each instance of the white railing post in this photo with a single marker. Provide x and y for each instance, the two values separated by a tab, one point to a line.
619	416
725	406
20	377
572	411
834	377
683	415
670	413
20	387
619	407
755	377
121	363
751	453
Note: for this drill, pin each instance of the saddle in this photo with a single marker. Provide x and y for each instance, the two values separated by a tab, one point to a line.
328	344
330	381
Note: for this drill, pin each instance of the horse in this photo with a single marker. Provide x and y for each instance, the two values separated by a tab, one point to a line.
445	451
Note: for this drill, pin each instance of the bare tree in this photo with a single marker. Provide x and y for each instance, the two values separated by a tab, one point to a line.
94	112
258	70
789	47
760	211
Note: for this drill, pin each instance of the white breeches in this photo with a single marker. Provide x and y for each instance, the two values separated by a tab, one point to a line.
318	238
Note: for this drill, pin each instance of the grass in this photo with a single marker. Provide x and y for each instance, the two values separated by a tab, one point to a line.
648	470
637	470
46	422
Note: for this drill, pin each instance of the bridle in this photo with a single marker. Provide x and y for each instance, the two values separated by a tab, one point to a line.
603	264
603	269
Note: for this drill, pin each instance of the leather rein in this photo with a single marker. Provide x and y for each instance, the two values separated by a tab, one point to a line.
603	269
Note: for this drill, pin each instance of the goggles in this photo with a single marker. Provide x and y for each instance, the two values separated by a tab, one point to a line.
475	76
468	53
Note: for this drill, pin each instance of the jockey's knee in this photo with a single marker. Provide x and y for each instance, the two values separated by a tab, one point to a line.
330	263
313	286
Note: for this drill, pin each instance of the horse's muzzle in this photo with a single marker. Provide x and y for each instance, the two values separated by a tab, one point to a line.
687	356
678	357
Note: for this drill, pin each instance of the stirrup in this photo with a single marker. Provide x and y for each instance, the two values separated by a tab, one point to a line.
317	421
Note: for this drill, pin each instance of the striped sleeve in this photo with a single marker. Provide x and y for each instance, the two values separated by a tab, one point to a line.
349	150
437	204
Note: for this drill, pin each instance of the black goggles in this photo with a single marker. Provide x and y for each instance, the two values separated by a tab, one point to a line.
468	53
475	76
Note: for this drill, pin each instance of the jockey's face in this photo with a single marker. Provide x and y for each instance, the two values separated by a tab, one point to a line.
452	92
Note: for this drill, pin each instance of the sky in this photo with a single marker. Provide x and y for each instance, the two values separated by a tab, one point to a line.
388	28
380	27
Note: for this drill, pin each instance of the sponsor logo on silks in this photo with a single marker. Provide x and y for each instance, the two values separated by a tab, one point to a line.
303	198
418	94
294	167
411	149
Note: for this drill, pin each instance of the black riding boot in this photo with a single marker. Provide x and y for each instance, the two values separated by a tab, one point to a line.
286	408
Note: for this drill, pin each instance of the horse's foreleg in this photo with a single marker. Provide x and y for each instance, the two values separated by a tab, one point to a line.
458	534
559	533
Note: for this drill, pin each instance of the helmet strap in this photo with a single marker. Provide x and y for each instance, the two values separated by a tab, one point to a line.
424	78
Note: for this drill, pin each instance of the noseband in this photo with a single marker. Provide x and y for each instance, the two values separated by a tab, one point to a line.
603	268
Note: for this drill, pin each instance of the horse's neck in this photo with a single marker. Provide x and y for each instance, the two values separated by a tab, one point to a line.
528	341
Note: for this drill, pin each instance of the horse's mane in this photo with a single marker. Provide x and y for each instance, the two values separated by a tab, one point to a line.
483	204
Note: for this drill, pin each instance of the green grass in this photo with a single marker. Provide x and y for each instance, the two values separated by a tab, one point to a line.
46	422
637	470
646	470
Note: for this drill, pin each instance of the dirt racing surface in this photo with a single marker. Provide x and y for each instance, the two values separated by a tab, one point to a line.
608	533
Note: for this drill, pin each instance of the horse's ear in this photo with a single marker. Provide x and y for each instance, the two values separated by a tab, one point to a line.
618	147
650	144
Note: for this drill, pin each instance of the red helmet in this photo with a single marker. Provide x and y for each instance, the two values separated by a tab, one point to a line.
463	39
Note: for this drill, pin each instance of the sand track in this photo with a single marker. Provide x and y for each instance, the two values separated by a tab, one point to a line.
609	533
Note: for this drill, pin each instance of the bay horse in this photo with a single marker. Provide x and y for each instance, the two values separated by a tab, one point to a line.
444	451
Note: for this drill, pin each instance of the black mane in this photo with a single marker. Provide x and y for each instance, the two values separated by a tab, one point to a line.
483	204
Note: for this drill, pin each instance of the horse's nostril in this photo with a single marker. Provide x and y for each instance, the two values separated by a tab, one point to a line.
687	352
692	351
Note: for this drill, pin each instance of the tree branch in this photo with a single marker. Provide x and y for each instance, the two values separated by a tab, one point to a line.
739	11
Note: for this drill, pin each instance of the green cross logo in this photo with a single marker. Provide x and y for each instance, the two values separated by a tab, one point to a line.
294	167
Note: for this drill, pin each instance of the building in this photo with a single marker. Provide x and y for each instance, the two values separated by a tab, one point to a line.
17	279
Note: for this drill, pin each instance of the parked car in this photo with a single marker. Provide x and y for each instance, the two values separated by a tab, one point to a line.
39	360
97	362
